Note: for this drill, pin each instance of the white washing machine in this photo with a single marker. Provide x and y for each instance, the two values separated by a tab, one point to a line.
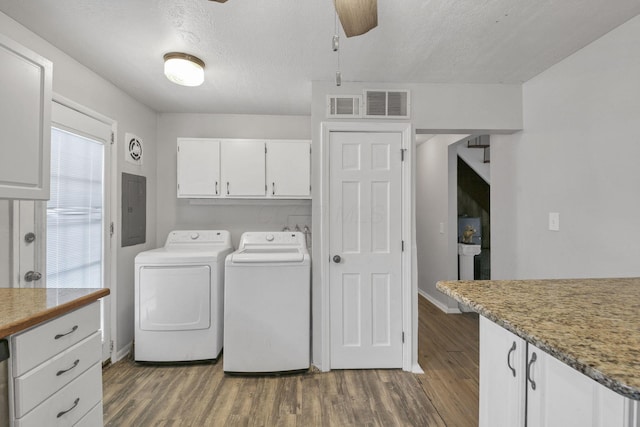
267	318
179	296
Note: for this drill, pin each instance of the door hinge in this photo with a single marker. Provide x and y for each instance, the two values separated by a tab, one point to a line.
402	246
113	138
111	346
111	230
265	149
402	150
402	337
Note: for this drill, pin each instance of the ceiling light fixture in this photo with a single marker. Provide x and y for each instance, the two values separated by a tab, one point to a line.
184	69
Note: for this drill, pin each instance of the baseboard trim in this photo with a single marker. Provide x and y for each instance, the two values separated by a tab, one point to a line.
438	303
122	353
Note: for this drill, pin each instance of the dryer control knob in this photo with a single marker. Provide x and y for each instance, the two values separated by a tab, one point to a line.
194	236
269	237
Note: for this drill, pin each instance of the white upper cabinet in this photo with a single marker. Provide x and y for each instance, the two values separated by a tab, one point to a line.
25	120
288	169
199	167
243	168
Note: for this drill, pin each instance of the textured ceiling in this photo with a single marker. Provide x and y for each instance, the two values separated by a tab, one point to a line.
262	55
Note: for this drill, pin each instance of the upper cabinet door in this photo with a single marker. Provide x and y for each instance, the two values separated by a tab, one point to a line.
199	167
25	121
288	169
243	170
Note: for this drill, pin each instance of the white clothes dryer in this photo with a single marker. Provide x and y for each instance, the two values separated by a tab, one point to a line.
267	304
179	296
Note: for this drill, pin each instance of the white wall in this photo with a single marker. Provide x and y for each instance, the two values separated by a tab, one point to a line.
436	207
74	81
235	216
578	156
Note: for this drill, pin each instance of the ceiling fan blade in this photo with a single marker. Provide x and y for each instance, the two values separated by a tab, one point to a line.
219	1
357	16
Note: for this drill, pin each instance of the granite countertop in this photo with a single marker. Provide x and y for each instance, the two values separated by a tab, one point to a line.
22	308
592	325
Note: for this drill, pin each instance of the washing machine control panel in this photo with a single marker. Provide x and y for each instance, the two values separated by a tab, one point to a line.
273	238
198	236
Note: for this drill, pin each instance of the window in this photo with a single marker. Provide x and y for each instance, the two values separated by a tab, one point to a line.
75	212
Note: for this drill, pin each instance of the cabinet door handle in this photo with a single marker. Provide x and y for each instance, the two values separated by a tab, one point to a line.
511	350
63	371
534	357
216	188
227	187
57	337
75	403
273	188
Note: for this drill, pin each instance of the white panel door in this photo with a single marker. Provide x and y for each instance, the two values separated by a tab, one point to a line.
288	168
243	168
79	212
502	376
365	244
198	167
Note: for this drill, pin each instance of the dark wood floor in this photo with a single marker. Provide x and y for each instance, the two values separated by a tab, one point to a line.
201	395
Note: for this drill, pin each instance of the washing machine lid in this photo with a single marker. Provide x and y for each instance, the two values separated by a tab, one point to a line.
267	255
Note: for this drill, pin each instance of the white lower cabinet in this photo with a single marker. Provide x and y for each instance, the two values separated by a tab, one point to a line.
502	375
523	385
59	382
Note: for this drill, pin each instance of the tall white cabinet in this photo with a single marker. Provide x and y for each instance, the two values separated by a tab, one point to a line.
25	120
523	385
243	168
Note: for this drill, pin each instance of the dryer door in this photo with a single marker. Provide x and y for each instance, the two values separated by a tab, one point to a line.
175	298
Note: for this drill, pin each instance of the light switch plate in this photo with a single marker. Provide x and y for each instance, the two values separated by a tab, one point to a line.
554	221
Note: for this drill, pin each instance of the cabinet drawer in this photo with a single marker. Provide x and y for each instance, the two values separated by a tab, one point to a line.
41	382
69	404
43	342
93	418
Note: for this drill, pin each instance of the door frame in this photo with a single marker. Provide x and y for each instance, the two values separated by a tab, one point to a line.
322	329
111	149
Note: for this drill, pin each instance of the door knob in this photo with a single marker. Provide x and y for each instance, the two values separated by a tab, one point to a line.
29	237
337	259
31	276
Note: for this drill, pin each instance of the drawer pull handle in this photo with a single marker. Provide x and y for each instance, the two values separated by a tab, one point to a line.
75	403
67	370
57	337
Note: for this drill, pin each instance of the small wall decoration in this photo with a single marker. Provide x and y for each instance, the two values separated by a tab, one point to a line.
132	149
